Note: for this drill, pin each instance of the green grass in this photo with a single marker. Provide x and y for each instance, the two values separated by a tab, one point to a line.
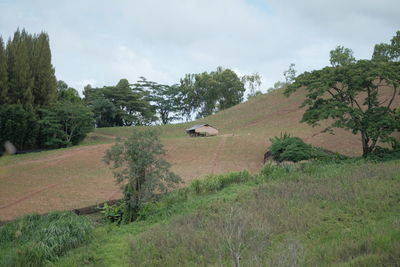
35	239
344	214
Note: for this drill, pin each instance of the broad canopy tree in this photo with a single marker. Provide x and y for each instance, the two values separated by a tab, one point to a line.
357	96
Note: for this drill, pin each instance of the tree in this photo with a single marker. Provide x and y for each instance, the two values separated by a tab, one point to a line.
206	93
341	56
21	82
357	97
138	163
66	93
3	74
131	104
17	126
253	82
66	123
166	99
44	86
290	74
388	52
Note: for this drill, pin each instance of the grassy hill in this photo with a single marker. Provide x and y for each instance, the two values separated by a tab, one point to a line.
76	177
313	214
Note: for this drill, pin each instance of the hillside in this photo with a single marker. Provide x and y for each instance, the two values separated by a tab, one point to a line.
76	177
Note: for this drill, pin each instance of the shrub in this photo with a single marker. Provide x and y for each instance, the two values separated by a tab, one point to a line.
35	239
287	148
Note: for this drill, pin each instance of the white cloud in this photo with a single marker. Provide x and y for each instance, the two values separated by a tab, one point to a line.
104	41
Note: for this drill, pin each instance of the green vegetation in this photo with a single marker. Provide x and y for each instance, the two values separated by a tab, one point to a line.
287	148
304	214
36	112
34	240
349	94
139	161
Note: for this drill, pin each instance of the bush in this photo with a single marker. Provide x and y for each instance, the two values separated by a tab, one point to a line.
35	239
287	148
17	126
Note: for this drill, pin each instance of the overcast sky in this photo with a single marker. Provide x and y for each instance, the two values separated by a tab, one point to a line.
100	42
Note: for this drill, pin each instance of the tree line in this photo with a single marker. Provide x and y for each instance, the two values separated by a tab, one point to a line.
37	111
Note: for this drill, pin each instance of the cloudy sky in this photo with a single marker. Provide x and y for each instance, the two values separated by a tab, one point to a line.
100	42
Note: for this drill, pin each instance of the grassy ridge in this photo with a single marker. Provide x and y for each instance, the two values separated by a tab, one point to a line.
307	214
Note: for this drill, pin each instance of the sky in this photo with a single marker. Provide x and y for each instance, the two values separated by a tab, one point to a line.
100	42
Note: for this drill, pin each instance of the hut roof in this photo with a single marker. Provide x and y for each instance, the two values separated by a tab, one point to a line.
194	127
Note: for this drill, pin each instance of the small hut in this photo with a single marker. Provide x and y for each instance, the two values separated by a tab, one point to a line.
202	130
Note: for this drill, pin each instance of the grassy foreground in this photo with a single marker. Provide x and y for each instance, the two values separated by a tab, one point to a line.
344	214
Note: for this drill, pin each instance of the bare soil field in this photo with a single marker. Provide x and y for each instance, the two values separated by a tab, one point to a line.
76	177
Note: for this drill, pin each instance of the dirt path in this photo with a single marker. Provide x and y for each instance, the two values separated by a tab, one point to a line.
218	151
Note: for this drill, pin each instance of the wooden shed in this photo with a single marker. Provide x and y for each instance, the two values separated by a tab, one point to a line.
202	130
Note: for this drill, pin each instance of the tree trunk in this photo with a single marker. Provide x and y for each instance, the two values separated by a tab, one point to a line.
364	141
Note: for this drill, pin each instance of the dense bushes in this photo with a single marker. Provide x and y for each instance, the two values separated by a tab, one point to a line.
288	148
17	126
35	239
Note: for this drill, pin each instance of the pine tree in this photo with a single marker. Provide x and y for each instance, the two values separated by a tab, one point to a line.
3	74
45	83
20	75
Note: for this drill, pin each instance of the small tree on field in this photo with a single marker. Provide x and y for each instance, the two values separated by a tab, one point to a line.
139	164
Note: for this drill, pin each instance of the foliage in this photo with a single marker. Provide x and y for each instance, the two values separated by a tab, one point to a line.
113	213
350	96
207	93
65	124
253	83
290	74
17	126
33	240
341	56
287	148
66	93
388	52
139	164
31	80
131	105
165	99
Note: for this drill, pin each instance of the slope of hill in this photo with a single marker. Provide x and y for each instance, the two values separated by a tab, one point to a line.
76	177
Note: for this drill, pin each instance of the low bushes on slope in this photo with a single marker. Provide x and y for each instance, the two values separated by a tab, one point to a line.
35	239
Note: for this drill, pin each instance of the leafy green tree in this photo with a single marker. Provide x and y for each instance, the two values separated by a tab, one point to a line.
253	83
382	52
104	112
18	126
388	52
166	99
139	161
357	97
341	56
290	74
66	93
66	123
206	93
131	104
3	74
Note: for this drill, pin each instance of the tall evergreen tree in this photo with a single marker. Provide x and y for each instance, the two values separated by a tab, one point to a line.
45	83
19	70
3	74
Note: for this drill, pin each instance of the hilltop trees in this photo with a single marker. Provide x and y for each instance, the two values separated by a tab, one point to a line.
138	163
206	93
121	105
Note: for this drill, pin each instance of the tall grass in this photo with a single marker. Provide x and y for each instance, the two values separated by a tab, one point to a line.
305	215
35	239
